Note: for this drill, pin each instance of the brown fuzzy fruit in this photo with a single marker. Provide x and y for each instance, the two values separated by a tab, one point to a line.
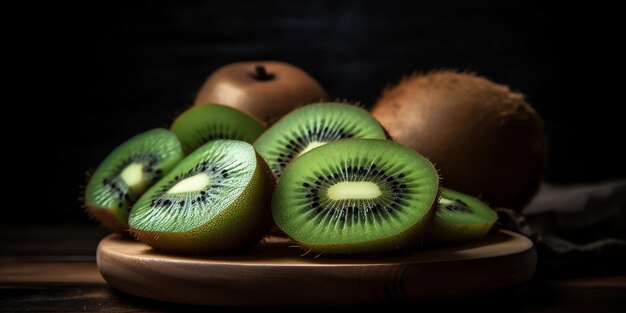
484	138
265	90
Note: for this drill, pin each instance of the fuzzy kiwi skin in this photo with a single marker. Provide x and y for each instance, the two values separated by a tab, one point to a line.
484	138
109	219
237	85
237	228
461	233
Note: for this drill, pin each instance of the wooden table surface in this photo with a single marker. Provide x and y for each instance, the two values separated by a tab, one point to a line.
52	268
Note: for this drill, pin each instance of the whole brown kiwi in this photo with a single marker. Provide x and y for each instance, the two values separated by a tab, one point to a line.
484	139
266	90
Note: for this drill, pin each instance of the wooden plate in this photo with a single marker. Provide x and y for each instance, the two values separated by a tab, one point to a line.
275	274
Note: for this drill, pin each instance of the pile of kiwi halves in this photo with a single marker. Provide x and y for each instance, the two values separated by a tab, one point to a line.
325	175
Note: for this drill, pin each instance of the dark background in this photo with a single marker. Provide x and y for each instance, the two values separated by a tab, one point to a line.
89	75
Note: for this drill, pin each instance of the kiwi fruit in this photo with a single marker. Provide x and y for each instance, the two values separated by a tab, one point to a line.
127	172
356	196
264	89
216	200
312	126
460	218
207	122
484	138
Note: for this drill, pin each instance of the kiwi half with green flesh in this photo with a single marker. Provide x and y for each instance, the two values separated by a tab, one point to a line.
356	196
127	172
216	200
312	126
460	218
204	123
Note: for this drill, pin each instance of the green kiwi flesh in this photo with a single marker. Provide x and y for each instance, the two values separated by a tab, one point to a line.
207	122
460	218
216	200
127	172
356	196
312	126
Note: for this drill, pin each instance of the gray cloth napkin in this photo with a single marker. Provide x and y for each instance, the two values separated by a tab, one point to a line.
578	230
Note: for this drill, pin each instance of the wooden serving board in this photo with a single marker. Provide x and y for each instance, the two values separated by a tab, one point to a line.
275	273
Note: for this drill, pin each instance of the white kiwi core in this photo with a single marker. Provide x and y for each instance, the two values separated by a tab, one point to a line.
312	145
132	174
194	183
353	190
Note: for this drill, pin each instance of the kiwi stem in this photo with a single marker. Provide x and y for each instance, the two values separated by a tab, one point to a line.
262	74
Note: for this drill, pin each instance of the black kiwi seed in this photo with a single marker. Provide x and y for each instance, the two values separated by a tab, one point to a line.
458	206
359	173
461	202
294	133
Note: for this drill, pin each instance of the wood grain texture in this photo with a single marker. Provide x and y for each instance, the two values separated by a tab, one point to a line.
274	274
36	262
50	272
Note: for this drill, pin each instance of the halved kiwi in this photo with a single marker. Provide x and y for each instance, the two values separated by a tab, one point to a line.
356	196
207	122
216	200
127	172
460	218
312	126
